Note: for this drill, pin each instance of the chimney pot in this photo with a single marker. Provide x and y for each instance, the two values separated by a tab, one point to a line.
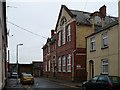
52	32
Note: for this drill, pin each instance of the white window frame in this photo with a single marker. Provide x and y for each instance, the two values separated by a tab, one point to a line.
59	64
68	33
59	38
54	63
69	63
64	64
46	66
49	65
105	40
105	66
48	48
92	43
63	34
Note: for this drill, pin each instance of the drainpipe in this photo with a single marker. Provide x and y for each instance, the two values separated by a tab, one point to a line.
118	49
73	64
118	38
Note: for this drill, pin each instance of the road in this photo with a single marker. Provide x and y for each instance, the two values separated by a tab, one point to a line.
40	84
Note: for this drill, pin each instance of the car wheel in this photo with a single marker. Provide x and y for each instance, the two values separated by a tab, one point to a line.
32	82
84	88
21	82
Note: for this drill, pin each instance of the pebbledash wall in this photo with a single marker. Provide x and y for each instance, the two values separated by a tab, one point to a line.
105	58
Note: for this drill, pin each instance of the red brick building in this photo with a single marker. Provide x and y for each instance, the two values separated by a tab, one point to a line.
49	56
64	54
68	59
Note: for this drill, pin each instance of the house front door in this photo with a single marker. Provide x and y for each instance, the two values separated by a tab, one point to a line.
91	68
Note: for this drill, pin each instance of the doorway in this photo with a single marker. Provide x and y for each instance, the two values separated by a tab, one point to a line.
91	69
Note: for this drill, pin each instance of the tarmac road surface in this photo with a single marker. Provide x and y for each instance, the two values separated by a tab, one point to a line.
40	84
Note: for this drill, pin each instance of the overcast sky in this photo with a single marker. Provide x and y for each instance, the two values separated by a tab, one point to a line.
39	17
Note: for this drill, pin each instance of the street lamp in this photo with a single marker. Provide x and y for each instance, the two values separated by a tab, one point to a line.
17	59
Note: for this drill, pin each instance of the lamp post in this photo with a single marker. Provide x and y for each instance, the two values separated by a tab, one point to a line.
17	59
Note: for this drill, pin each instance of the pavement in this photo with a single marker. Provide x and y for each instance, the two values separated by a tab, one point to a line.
12	83
66	83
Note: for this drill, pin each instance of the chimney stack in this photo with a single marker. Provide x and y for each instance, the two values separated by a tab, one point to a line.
52	32
102	10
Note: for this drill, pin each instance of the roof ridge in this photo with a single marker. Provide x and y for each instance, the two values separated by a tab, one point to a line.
79	11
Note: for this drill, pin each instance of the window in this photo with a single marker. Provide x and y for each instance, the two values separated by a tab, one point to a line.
114	79
59	64
54	64
54	60
46	66
59	38
105	40
48	48
69	63
103	79
63	26
64	64
94	79
92	43
49	65
68	33
105	66
63	35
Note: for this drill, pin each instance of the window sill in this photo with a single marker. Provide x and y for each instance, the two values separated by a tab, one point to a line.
92	50
104	47
68	71
64	72
104	73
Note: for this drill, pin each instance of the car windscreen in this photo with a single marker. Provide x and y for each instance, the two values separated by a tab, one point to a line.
115	79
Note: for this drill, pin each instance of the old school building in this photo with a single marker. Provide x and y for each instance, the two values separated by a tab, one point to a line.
64	54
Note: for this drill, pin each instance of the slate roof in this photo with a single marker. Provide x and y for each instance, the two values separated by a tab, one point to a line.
50	41
84	17
112	24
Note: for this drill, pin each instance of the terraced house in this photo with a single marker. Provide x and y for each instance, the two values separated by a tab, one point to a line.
69	59
103	47
3	44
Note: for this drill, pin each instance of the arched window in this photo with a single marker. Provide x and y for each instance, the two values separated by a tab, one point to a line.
63	28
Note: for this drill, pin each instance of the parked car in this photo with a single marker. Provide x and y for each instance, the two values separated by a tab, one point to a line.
102	82
27	79
14	75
